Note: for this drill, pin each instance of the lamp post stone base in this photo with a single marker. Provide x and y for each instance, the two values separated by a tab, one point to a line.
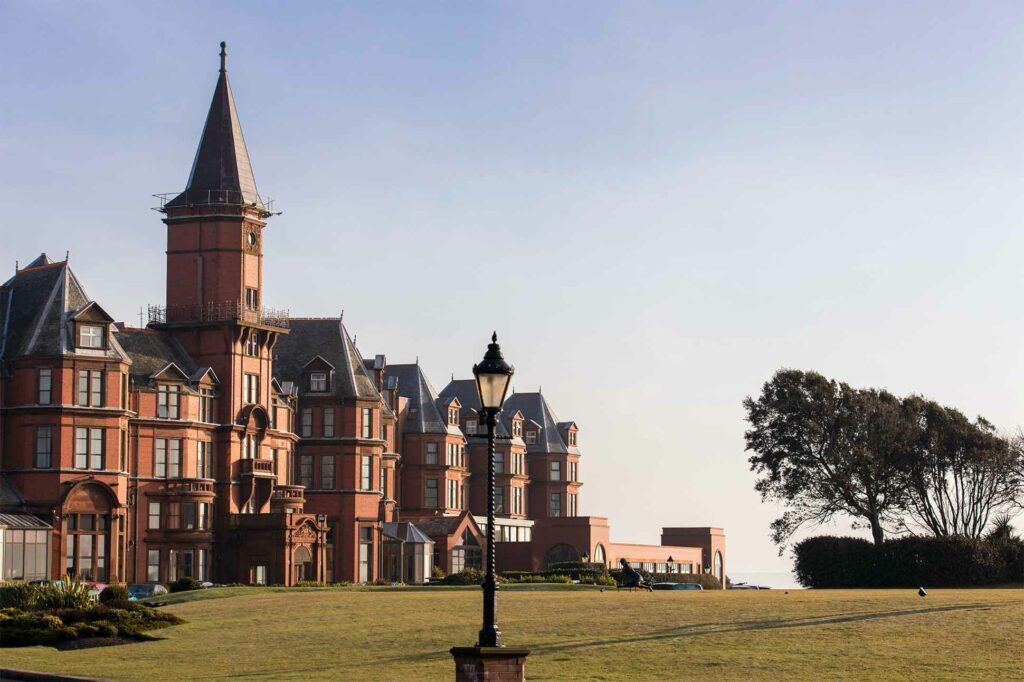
493	664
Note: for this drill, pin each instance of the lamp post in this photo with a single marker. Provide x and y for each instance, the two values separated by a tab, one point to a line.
493	375
670	562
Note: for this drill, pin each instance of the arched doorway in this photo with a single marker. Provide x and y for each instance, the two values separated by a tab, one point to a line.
560	553
303	562
88	513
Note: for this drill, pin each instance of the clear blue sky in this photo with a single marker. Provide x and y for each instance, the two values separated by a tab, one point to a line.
674	199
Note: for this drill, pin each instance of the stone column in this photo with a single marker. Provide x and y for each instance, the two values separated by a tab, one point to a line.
494	664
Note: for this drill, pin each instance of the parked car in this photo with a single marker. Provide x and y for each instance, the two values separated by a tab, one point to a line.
142	590
745	586
677	586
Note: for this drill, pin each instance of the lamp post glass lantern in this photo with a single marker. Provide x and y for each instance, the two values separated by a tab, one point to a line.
493	376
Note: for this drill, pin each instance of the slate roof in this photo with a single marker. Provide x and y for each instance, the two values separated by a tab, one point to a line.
36	307
407	531
222	160
10	498
534	407
23	522
439	526
413	384
152	351
329	339
465	390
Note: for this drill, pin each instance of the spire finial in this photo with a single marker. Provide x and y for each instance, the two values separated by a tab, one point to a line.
494	337
223	57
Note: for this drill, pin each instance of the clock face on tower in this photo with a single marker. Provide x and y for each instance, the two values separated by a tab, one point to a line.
252	240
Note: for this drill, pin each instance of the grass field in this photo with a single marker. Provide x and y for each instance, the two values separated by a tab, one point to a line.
405	634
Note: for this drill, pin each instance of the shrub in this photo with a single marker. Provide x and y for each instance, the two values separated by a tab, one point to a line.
469	576
185	584
114	593
305	583
827	562
18	595
437	572
69	593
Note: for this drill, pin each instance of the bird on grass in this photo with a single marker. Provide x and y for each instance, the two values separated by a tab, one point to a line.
921	592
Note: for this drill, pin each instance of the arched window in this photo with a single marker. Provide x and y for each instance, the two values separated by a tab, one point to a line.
599	555
561	553
718	566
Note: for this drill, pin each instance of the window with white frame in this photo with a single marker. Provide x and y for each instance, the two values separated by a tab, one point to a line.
204	459
574	471
45	384
556	471
252	344
167	458
453	494
517	429
251	389
252	298
327	471
366	472
90	388
572	438
168	402
88	448
44	447
517	500
90	336
317	382
206	405
153	565
572	505
367	422
306	471
154	516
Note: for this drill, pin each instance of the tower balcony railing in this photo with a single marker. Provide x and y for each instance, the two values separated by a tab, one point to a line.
228	311
216	197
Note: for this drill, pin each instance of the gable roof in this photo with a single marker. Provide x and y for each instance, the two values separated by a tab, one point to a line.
153	352
466	392
429	416
221	172
36	309
328	339
535	408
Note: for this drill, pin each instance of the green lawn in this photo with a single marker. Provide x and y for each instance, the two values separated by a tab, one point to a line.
405	634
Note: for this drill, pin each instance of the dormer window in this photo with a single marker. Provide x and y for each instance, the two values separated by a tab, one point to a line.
471	426
90	336
572	438
167	403
517	429
317	382
453	417
531	437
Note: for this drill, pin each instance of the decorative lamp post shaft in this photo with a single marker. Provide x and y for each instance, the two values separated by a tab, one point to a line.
490	635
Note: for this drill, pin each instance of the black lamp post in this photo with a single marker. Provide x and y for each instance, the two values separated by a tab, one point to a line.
670	562
493	375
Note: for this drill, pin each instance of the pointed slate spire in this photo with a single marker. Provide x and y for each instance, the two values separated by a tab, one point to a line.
221	173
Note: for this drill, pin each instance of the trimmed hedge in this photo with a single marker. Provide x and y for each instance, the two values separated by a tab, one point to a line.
114	593
828	561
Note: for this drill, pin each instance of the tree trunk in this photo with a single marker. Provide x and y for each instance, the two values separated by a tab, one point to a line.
876	530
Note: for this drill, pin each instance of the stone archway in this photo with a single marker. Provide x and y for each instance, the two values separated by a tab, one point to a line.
90	530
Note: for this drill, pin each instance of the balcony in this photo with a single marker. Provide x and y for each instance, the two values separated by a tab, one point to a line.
260	468
288	498
192	487
215	197
226	311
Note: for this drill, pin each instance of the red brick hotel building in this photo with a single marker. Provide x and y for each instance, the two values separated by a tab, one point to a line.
229	442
